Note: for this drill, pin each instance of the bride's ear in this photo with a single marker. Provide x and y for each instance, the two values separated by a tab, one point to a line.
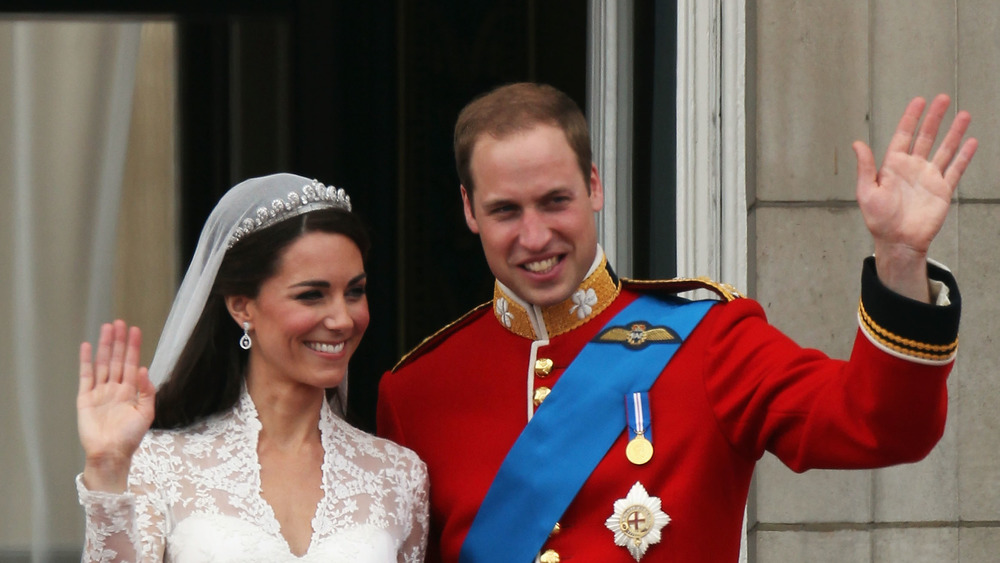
239	308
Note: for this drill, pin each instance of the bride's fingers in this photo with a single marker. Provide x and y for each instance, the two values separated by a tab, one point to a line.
86	368
103	354
115	367
132	352
144	386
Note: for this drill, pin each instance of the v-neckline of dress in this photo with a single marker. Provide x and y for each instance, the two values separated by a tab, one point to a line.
252	425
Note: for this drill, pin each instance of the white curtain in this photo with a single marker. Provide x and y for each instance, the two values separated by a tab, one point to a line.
65	105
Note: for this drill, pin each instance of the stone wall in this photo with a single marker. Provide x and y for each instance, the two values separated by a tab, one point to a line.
827	72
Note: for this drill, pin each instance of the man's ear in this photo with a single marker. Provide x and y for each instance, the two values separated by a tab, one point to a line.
470	214
596	189
238	306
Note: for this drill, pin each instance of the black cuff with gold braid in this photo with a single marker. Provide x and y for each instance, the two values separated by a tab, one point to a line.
910	329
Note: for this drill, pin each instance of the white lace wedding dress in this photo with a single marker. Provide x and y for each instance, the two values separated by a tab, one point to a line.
194	495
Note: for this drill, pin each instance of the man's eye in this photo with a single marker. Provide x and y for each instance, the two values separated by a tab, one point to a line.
503	210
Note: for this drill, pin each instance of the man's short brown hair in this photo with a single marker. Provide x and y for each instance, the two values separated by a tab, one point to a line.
514	108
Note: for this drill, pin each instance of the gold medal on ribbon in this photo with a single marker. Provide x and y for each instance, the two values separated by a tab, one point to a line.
639	450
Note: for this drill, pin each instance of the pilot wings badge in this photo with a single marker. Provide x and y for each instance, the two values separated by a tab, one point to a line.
637	335
637	521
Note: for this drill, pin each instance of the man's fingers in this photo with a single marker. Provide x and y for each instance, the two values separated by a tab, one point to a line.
949	146
929	128
866	165
903	136
961	161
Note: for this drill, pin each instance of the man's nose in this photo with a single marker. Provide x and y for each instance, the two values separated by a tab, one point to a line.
535	233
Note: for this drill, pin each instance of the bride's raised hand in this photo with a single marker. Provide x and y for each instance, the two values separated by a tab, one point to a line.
114	406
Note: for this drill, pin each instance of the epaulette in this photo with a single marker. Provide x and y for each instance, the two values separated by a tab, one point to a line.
680	285
433	340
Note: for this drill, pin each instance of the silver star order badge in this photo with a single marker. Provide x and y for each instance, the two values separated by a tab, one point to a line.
637	521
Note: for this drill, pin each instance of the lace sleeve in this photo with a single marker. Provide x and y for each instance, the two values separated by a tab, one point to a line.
414	545
123	527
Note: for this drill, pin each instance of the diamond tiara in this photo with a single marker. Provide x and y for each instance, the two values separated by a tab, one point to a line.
314	196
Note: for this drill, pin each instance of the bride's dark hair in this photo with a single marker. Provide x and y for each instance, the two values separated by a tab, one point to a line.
209	372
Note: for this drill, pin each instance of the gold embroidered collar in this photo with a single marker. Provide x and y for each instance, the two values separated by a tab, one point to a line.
594	295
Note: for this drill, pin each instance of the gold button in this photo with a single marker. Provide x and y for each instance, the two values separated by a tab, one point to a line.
550	556
556	529
543	366
540	395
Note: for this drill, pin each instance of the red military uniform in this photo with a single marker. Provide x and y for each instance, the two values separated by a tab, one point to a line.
735	388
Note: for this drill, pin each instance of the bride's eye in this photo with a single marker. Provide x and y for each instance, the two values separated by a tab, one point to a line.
311	295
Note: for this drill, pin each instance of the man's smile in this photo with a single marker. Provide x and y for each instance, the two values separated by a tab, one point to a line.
542	266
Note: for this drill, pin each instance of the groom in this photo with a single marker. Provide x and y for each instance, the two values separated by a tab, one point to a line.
580	416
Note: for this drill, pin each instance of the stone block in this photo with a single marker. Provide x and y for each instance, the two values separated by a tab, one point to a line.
812	97
915	545
815	547
784	497
979	545
978	381
808	277
978	76
913	54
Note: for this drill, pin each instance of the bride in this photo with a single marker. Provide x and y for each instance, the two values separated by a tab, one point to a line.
249	457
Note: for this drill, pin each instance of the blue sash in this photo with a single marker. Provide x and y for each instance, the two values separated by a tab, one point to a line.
574	429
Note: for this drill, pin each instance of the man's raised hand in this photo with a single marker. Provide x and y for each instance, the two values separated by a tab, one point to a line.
904	203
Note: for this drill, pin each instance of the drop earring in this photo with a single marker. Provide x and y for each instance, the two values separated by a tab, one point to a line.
245	341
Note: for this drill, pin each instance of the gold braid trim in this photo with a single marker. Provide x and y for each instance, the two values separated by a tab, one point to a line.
905	345
566	316
679	285
561	317
511	314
